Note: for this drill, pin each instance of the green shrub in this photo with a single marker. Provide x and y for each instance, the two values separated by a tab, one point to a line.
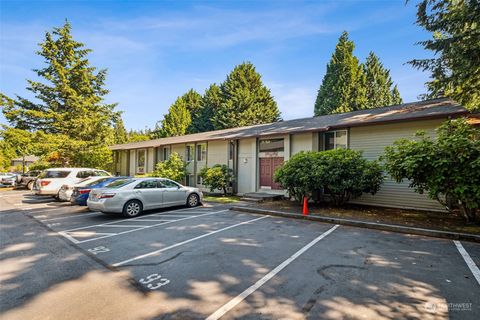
218	177
343	173
448	168
174	168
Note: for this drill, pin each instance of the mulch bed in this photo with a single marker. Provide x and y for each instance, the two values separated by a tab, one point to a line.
411	218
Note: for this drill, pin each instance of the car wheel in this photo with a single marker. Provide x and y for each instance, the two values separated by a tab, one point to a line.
30	185
193	200
132	209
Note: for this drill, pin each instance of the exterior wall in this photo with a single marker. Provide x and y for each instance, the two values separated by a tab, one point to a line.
217	153
247	165
150	165
123	162
301	142
372	140
180	149
133	162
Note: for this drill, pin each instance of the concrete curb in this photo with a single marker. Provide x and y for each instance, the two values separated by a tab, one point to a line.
369	225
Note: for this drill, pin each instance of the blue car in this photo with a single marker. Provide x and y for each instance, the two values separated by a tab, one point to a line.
80	194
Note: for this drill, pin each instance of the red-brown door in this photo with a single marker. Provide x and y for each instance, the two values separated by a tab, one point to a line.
267	169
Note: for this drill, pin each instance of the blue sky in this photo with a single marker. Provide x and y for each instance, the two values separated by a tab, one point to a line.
157	50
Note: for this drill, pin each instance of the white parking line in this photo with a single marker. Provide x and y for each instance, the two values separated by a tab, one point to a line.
76	215
232	303
468	260
125	226
184	242
65	232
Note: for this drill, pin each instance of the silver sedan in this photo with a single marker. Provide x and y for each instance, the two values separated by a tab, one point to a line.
134	195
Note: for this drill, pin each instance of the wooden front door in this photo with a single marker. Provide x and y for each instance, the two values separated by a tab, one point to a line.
267	169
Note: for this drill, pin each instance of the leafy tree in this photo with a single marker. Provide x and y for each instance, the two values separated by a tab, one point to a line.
455	67
343	86
447	168
193	102
218	177
174	168
139	135
379	84
245	100
177	121
69	102
343	173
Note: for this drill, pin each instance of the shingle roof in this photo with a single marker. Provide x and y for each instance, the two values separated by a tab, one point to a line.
27	159
429	109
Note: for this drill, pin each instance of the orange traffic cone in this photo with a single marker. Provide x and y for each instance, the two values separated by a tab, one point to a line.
305	206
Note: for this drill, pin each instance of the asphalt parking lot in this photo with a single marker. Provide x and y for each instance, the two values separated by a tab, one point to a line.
210	263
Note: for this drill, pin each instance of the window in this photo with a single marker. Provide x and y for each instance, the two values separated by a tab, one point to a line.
165	153
168	184
189	152
147	184
101	173
231	150
51	174
201	152
199	180
119	183
189	180
271	145
336	140
141	156
85	174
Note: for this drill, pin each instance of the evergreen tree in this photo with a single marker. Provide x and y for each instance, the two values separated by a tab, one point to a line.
193	102
396	99
379	84
120	133
211	103
343	86
245	100
455	68
69	102
177	120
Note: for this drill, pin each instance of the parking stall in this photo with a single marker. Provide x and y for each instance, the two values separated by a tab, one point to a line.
211	262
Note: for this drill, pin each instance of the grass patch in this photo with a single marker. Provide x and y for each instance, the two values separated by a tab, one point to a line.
221	199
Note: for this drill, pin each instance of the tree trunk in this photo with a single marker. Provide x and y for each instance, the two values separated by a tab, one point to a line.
469	214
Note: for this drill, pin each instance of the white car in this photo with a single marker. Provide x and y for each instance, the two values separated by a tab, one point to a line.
66	190
131	196
51	180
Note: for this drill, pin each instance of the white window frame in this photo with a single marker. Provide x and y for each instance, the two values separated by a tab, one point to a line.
199	180
334	139
165	153
190	157
202	155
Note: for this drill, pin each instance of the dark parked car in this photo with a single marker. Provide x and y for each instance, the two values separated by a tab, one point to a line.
80	194
27	179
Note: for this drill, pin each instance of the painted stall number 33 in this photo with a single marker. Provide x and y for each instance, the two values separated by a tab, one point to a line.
155	276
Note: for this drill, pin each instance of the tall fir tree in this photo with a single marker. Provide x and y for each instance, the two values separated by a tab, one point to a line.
343	86
193	102
177	121
69	102
455	43
120	133
379	84
211	102
245	100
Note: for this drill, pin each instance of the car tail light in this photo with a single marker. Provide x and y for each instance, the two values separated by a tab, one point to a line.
44	183
83	191
106	195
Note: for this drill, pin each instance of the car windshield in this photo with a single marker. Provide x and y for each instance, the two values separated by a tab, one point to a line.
52	174
119	183
97	181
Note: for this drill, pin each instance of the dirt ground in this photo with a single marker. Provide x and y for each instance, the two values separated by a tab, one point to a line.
412	218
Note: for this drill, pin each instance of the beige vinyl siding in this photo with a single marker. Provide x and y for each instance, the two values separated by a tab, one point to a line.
300	142
247	162
150	160
133	162
180	149
372	140
217	153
